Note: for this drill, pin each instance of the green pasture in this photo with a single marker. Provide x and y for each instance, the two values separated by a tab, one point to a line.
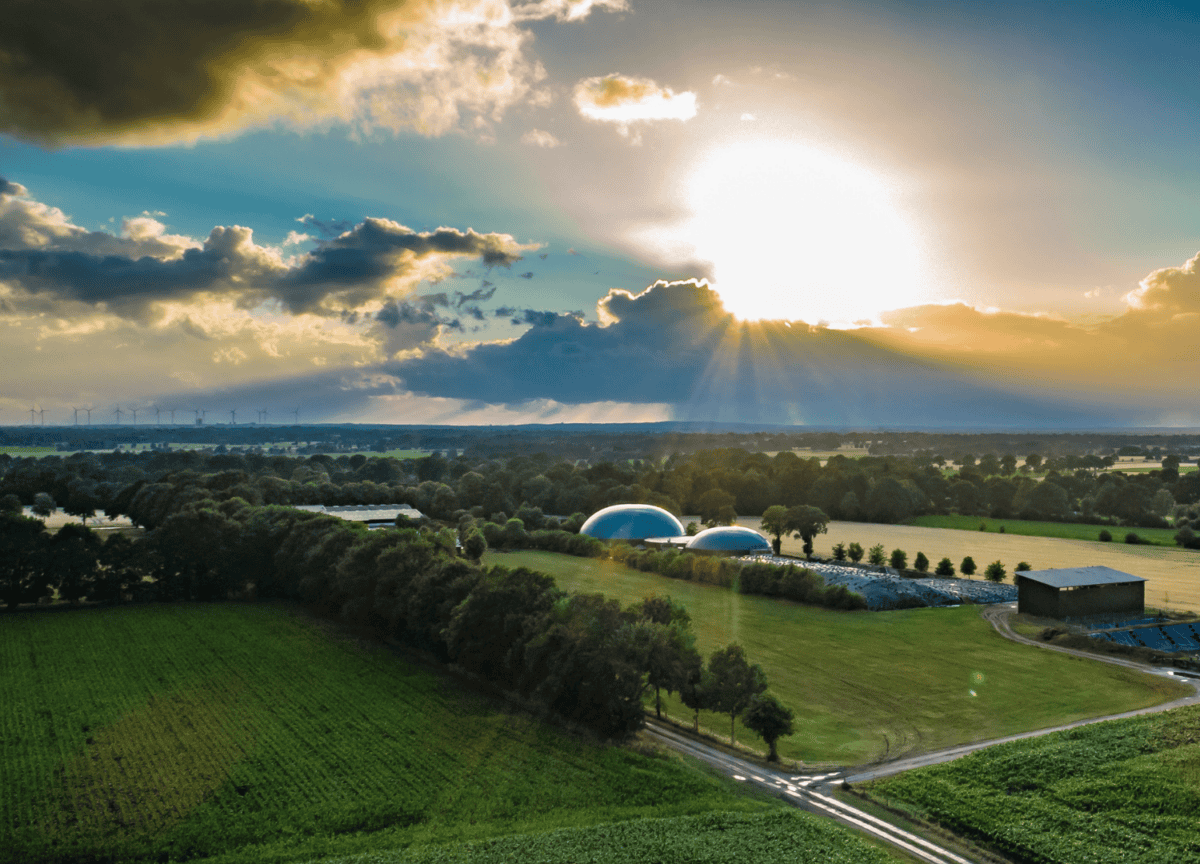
872	685
248	733
1063	530
1127	791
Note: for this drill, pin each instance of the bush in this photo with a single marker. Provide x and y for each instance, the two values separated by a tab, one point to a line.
921	563
995	572
945	567
982	526
839	552
899	559
875	555
967	567
1105	536
1023	566
1132	539
855	551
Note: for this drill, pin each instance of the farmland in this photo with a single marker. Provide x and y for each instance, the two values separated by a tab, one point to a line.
712	838
870	685
1126	791
250	733
1173	573
1065	530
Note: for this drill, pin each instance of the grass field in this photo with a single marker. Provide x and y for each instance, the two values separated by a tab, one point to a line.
249	733
1126	791
1065	530
1173	573
869	685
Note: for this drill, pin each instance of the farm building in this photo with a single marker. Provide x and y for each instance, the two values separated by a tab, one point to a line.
1079	592
631	522
373	515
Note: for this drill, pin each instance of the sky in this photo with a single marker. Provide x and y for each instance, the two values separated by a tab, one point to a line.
843	214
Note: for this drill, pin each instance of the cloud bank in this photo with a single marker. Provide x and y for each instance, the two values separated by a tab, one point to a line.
148	73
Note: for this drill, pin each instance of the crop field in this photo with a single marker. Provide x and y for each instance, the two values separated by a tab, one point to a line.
1173	573
1126	791
1065	530
252	734
870	685
781	835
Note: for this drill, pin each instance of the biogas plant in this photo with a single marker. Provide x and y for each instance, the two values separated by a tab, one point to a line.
659	529
882	587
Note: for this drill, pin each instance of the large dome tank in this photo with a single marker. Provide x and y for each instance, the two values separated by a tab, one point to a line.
730	539
631	522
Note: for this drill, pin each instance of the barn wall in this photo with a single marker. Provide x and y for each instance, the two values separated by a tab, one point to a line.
1103	600
1034	598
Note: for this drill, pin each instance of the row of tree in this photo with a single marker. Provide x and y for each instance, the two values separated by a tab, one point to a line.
581	657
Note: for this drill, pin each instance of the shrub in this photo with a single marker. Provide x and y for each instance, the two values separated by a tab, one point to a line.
995	572
1023	566
1001	529
967	567
875	555
899	559
921	563
982	526
855	551
1132	538
945	567
1105	536
839	552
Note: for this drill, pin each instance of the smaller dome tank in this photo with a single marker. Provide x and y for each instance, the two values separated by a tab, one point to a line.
730	539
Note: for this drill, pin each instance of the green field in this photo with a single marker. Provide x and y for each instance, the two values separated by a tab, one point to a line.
249	733
872	685
736	838
1064	530
1126	791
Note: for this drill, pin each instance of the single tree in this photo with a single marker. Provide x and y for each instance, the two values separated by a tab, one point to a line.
806	522
734	682
855	551
967	567
1008	464
771	719
945	567
995	572
875	556
696	692
1023	567
474	545
898	559
1033	461
774	522
921	563
839	552
10	503
43	504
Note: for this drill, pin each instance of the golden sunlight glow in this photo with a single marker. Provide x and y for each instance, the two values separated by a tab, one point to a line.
794	232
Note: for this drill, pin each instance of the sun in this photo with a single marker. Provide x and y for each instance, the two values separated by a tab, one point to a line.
798	233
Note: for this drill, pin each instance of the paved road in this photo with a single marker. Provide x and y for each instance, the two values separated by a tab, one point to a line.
812	792
808	792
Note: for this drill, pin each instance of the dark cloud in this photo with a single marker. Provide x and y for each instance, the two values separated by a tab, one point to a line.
675	343
48	257
150	72
327	230
480	295
528	275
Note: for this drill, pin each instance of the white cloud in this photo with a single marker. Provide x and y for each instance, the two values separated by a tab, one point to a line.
720	79
565	10
749	116
624	100
540	138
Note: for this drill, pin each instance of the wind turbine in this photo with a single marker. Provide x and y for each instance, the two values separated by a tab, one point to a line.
134	410
295	412
172	416
157	413
32	411
200	412
233	417
89	413
118	412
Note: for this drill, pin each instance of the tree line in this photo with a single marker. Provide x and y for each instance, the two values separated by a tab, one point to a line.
578	657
